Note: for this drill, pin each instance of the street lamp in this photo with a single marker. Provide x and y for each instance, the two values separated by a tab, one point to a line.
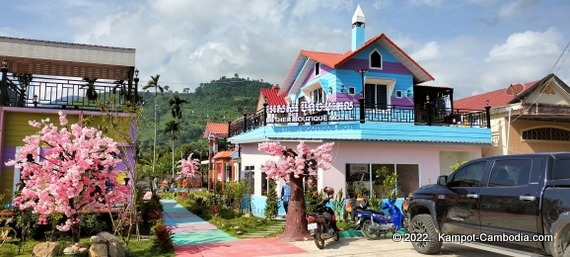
136	79
361	100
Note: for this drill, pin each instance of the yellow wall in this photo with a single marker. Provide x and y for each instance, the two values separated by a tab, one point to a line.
6	185
518	145
104	123
16	126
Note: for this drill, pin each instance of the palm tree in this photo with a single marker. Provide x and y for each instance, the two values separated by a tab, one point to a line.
172	128
122	86
153	82
24	81
91	93
175	102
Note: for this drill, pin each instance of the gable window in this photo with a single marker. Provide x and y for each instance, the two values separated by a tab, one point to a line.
317	68
554	134
375	60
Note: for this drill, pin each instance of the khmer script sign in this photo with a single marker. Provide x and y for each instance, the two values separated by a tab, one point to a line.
311	112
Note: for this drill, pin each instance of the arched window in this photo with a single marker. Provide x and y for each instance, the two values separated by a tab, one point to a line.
554	134
375	60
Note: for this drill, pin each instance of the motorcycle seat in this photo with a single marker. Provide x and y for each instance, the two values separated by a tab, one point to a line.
372	211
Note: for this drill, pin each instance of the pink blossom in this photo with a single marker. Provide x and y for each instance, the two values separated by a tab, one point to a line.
297	165
189	168
147	195
70	175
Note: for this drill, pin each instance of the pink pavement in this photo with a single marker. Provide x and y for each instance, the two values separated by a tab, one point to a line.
245	248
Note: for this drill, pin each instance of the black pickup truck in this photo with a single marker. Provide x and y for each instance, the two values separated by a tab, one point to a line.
511	201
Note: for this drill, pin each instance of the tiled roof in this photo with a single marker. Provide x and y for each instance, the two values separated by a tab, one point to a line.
271	96
334	60
219	129
496	98
223	154
328	59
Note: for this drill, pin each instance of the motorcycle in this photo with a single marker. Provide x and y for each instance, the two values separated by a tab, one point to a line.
372	223
321	223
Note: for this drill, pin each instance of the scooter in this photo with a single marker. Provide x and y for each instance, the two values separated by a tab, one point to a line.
322	228
372	223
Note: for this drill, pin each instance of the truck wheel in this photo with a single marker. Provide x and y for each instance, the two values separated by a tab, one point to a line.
422	223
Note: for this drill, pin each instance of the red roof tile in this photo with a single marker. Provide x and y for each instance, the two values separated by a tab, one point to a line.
496	98
223	154
218	129
272	97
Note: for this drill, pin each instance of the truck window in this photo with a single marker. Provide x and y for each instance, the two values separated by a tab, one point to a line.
561	169
514	172
469	175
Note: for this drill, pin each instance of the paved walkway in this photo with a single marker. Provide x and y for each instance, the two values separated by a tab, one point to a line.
195	237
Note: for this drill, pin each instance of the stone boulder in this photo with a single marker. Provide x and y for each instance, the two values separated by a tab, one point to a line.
108	236
46	249
98	240
98	250
116	249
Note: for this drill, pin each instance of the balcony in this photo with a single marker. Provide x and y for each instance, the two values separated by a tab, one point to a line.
417	116
66	93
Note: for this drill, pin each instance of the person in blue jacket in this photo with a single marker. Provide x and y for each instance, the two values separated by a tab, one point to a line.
285	196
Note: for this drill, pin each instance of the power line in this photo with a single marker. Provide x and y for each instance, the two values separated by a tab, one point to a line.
561	54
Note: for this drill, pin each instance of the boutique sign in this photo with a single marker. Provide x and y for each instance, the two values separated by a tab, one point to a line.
311	112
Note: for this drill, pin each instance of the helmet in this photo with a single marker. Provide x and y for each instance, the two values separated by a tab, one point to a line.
329	191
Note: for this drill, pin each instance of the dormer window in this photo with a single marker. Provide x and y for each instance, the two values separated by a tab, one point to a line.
375	60
317	68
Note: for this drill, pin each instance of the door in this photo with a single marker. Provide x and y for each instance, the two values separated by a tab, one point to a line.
458	208
509	201
375	96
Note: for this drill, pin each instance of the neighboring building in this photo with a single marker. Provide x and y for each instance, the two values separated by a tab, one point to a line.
370	102
41	78
527	118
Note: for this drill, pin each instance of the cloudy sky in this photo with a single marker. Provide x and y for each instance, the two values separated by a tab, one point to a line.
472	45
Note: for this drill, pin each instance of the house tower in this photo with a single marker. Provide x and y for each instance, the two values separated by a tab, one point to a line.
357	29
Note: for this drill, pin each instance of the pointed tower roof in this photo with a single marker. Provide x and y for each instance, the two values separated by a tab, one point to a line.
358	16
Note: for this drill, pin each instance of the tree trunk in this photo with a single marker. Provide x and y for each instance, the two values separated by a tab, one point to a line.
75	232
296	223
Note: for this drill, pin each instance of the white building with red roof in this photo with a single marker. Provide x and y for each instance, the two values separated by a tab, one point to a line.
526	117
370	102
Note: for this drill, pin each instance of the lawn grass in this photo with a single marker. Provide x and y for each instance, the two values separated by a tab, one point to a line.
144	248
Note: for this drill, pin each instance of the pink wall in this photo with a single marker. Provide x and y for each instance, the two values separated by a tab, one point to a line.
426	156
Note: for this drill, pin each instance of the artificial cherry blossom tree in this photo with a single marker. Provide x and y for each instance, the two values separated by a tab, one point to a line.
292	166
189	168
74	174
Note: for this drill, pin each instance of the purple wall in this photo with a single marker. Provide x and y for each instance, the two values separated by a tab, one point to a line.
388	67
344	97
324	70
404	101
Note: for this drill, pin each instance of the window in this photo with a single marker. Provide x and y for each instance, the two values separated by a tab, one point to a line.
554	134
351	90
318	96
561	169
264	184
515	172
361	181
375	96
468	176
317	68
375	60
398	93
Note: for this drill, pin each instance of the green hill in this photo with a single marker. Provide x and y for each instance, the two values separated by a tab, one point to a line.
216	101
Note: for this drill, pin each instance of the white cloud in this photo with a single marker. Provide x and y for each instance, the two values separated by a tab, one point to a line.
382	4
429	51
510	9
527	44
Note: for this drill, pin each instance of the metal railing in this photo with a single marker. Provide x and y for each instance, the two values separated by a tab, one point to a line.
419	115
53	92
